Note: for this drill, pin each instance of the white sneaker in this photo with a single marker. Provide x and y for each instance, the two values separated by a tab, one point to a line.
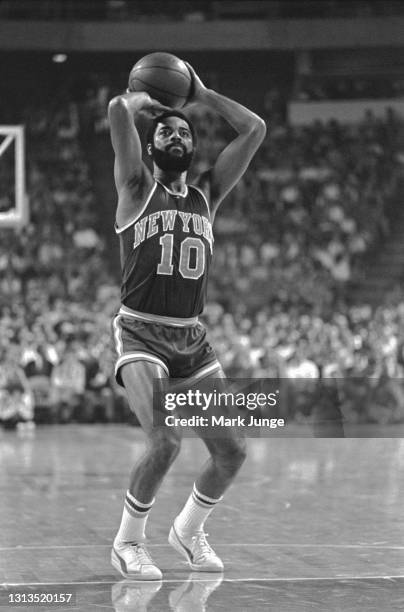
200	556
134	561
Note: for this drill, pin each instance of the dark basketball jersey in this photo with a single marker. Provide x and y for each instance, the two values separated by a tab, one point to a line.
166	253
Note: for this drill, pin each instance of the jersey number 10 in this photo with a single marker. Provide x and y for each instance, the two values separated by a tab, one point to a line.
188	245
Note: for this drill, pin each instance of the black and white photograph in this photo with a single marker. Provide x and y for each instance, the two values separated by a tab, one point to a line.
201	305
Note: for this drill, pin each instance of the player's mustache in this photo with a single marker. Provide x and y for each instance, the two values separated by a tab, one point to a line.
176	144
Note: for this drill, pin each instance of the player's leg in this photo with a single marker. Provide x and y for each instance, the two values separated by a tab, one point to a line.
162	444
129	555
227	455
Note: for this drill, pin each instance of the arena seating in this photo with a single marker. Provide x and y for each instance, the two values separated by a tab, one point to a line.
290	237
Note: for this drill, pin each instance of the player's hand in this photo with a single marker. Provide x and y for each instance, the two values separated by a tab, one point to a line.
153	108
197	88
145	104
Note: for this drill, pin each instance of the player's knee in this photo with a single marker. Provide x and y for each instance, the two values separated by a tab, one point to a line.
165	445
239	454
233	456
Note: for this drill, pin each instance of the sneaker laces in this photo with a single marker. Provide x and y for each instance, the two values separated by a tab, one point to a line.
200	546
143	555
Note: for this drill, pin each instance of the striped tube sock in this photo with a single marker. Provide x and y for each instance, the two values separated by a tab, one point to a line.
195	512
134	517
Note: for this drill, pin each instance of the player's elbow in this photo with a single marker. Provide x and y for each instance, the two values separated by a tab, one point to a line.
116	106
259	129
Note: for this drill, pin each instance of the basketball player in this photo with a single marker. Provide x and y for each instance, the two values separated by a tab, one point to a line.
165	231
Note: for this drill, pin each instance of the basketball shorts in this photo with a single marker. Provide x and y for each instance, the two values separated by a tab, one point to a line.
178	346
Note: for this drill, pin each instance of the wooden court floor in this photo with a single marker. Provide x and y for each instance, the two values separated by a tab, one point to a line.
310	524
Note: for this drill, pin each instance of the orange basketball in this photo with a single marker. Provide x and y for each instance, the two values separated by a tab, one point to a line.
164	77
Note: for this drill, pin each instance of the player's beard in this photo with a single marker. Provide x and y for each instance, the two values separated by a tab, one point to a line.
171	163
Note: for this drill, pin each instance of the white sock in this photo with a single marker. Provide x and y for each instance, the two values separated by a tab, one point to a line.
134	518
194	514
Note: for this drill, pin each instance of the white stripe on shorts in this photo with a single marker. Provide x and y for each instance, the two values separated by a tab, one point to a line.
204	372
117	335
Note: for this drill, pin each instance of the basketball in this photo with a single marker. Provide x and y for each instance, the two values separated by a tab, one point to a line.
164	77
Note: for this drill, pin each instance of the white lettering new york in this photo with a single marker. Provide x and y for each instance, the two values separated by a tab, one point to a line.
164	221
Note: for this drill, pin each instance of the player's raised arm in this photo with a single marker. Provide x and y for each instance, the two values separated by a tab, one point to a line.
122	112
132	176
235	158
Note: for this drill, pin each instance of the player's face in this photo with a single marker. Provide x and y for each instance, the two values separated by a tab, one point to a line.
173	147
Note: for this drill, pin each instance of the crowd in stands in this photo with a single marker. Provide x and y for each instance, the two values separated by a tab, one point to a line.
288	240
54	280
314	87
314	201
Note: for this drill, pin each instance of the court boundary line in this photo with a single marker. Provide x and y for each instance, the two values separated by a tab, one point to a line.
226	545
181	580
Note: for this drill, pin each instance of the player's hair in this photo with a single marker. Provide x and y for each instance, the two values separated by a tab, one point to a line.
165	115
